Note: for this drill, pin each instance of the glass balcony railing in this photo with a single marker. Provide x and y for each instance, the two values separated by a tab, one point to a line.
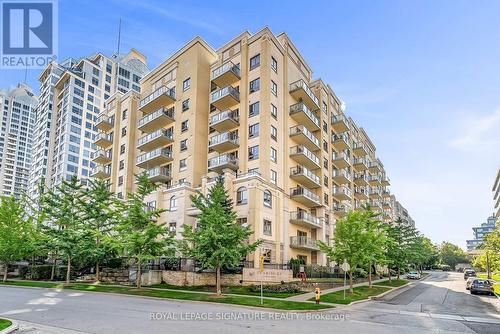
303	242
342	191
224	68
300	129
224	116
305	216
224	159
169	134
301	84
223	137
301	191
299	170
170	112
302	108
226	91
159	171
154	154
163	90
342	173
303	150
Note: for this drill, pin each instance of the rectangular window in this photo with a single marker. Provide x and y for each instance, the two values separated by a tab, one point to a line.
186	84
274	155
120	180
274	88
274	176
254	109
274	64
254	85
124	131
182	164
274	133
274	111
185	105
253	152
184	145
122	148
253	130
254	62
267	227
122	164
184	126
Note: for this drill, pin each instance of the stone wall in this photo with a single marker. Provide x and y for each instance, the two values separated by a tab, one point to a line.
185	278
118	276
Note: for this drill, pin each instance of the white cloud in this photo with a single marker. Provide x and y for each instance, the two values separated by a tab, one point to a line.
479	134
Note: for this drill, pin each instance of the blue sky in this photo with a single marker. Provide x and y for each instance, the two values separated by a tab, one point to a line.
422	77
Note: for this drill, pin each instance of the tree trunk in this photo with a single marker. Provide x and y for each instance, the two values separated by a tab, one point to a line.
217	281
97	272
398	273
139	274
350	281
5	272
54	263
389	270
370	275
68	270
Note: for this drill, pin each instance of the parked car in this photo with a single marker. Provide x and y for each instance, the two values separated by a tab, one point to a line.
469	273
413	275
469	282
482	286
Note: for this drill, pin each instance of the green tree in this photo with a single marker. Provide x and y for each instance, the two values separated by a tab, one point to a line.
451	254
375	240
142	237
100	216
62	211
349	243
16	232
219	241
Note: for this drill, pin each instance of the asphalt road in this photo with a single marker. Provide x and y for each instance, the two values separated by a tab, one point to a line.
438	304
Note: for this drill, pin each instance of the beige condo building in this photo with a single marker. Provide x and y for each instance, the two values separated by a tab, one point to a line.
293	162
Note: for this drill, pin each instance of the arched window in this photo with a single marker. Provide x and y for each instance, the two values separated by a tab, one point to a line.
242	195
173	203
268	198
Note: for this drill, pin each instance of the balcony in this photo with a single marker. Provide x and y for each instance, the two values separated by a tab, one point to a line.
341	176
193	211
303	115
374	180
376	205
217	164
386	205
155	139
302	136
385	181
154	158
375	194
340	142
359	149
359	164
305	219
340	211
161	97
305	177
157	119
105	123
159	174
103	140
374	167
301	92
226	74
360	193
101	172
304	157
303	242
225	98
386	194
225	120
101	157
341	193
387	216
339	124
224	142
341	160
361	180
305	197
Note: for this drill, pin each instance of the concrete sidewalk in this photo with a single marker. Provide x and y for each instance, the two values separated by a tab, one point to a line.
309	295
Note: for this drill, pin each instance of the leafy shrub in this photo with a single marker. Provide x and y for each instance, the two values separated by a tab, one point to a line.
278	288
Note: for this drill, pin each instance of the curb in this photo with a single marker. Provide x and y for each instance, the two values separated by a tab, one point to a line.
14	326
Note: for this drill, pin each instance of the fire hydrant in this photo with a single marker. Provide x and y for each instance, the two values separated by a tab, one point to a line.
318	295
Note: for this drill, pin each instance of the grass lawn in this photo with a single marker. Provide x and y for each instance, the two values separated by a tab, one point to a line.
243	300
392	283
359	293
496	287
4	324
236	290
